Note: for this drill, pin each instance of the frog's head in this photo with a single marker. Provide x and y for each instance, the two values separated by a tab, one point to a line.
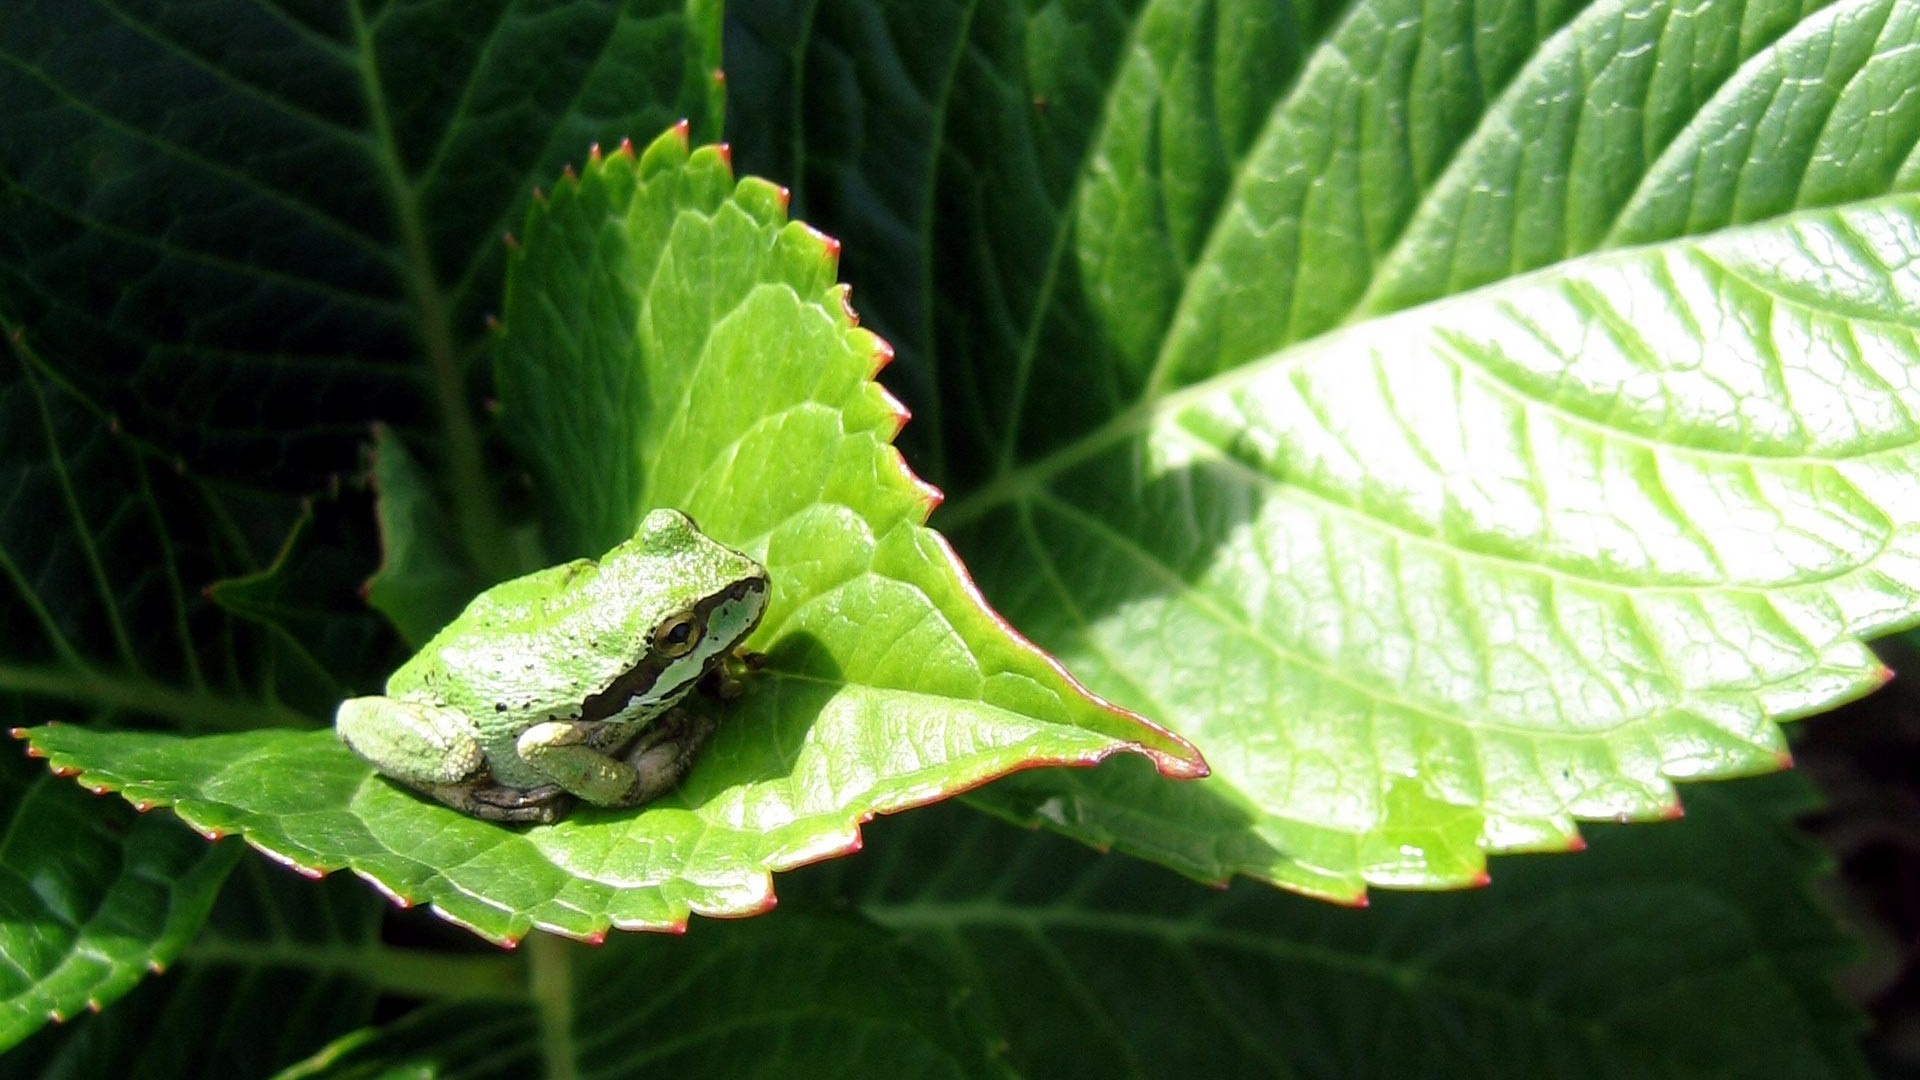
684	603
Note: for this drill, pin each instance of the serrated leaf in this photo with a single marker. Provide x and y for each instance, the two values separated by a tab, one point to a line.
281	967
1445	582
808	996
423	580
887	683
91	898
1682	950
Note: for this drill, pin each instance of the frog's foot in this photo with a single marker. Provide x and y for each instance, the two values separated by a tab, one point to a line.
664	752
725	682
543	805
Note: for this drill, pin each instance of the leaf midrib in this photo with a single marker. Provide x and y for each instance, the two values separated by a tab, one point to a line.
1023	481
482	533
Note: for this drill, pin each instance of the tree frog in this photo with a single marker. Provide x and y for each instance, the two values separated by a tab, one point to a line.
562	683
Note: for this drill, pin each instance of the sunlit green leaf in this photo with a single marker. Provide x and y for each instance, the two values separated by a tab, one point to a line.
1422	582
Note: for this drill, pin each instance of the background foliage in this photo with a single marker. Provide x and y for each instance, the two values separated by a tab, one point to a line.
1460	420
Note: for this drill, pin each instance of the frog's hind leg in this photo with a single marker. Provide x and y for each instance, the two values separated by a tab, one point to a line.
433	750
419	744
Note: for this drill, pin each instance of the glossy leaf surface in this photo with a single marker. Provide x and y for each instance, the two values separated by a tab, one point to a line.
282	965
91	899
1460	421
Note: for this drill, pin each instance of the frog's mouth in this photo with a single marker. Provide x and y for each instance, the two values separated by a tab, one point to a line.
652	685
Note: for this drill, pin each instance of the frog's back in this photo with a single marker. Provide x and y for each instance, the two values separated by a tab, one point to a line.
522	645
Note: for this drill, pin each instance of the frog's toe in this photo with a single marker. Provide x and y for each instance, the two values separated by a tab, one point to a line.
541	805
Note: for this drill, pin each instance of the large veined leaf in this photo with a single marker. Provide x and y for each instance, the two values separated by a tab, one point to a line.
1459	420
245	224
90	901
282	965
786	996
672	340
957	946
1682	950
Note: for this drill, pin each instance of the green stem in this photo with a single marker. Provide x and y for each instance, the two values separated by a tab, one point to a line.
417	973
112	690
550	982
481	530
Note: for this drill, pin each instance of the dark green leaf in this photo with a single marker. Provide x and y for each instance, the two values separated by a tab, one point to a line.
1684	950
92	898
423	580
806	996
243	223
282	967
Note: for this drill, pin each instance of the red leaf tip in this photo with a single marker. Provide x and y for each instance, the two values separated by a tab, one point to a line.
1576	842
726	153
593	154
626	147
720	76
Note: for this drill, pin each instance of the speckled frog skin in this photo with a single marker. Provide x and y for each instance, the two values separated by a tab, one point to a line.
562	684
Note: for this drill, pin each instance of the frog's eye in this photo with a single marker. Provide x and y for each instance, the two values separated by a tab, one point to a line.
677	636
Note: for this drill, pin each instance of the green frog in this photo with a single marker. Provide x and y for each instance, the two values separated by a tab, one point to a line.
562	684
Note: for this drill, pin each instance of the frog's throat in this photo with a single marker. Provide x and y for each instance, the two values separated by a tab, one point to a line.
651	686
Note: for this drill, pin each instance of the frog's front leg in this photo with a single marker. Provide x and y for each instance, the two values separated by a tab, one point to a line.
648	768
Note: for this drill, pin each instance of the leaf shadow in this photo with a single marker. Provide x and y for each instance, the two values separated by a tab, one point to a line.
1093	592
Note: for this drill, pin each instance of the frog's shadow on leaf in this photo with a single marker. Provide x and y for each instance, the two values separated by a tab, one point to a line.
1188	517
